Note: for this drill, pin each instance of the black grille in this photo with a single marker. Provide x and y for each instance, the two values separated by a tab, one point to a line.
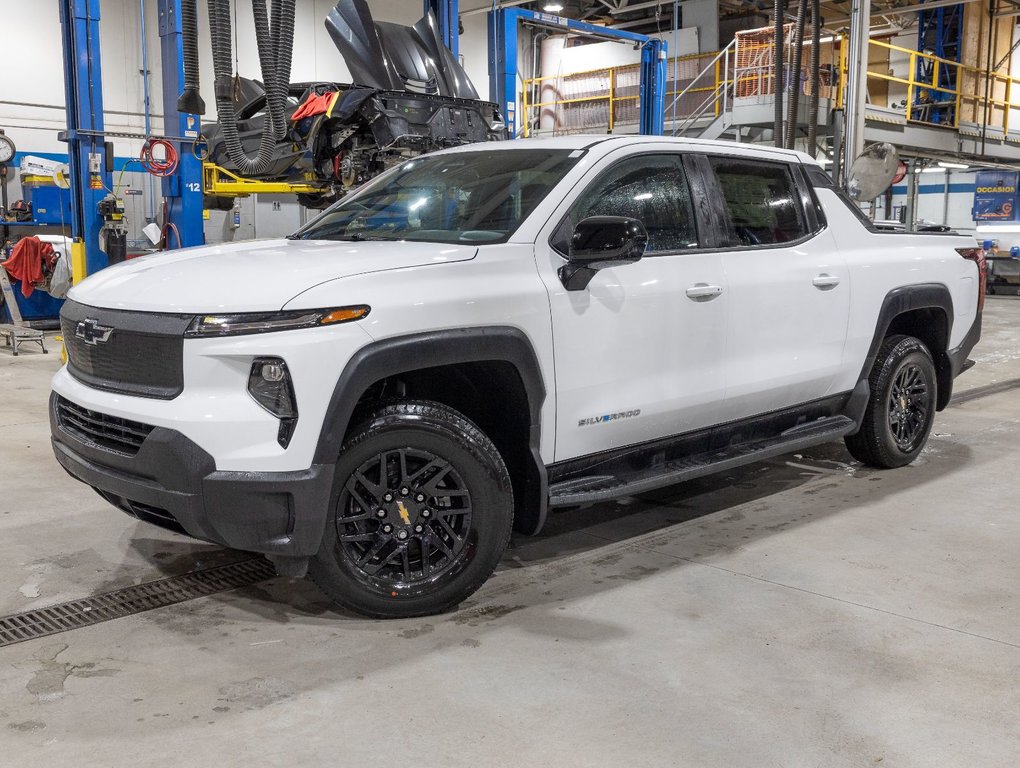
142	353
98	429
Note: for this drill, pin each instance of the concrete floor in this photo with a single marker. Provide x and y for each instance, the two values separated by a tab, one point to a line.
800	612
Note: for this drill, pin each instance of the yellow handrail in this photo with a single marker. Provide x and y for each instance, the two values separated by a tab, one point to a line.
915	109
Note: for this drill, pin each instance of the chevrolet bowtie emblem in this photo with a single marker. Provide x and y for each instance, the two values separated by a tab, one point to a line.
403	513
92	333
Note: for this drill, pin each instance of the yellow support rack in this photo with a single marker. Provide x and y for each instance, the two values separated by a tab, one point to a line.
223	183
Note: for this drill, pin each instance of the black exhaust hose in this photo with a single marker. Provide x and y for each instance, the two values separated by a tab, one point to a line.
816	78
777	72
275	59
797	57
190	99
283	49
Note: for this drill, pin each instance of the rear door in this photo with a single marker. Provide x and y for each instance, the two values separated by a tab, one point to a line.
789	290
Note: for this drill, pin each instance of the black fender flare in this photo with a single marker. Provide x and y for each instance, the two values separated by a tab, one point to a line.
897	302
430	349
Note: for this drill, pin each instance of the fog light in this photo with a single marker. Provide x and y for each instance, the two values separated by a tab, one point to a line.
270	386
273	372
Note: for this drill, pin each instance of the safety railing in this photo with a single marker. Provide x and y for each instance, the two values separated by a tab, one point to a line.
603	99
973	95
919	87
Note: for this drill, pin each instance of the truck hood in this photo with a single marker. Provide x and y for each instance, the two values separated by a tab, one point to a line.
260	276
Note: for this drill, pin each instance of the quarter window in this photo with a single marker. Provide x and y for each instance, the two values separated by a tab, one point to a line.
762	204
651	188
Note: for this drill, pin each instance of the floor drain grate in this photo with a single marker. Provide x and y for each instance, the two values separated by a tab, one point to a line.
87	611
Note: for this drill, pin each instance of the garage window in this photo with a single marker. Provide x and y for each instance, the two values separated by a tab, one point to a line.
762	207
651	188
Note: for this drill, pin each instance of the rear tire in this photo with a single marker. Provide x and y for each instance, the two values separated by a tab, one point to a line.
422	513
901	409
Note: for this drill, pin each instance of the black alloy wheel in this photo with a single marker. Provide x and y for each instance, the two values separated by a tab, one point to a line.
901	409
422	512
404	518
909	404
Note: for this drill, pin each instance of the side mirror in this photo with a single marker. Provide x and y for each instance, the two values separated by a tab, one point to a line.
599	242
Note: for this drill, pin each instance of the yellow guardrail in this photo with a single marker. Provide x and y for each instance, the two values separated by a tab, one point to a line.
921	92
619	81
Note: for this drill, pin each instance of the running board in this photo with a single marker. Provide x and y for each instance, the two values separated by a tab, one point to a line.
602	487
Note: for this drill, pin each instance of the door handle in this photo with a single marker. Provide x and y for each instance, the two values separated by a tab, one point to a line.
825	281
703	291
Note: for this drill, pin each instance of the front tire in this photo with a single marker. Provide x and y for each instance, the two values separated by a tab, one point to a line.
901	409
422	513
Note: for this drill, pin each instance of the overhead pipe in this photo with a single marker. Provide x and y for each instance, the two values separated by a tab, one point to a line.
777	71
190	100
816	79
795	62
275	43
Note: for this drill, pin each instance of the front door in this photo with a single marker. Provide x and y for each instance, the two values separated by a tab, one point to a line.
640	351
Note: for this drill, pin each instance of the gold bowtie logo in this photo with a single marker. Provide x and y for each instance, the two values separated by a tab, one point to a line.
403	513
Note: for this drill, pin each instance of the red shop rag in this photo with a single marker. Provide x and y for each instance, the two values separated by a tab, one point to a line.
26	263
316	105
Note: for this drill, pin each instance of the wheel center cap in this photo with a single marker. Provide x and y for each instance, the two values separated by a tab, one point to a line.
405	515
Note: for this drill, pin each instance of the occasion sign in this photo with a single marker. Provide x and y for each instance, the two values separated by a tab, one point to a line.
995	196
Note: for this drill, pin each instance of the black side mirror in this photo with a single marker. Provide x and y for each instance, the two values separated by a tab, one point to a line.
599	242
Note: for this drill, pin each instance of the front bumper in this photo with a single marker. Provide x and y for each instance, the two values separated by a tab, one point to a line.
173	483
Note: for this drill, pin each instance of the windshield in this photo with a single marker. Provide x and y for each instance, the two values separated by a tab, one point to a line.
466	197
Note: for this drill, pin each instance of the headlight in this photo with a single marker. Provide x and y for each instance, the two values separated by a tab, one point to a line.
267	322
270	386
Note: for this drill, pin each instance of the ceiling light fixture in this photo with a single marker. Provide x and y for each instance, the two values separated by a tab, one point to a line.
552	7
946	164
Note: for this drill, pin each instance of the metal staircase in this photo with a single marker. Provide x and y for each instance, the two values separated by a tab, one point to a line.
712	116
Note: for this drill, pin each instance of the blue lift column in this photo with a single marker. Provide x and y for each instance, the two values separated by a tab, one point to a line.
182	190
83	86
448	15
504	24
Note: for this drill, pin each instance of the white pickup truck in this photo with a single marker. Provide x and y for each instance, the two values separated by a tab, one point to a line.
484	333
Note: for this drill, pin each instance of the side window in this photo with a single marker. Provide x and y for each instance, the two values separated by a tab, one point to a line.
652	188
763	206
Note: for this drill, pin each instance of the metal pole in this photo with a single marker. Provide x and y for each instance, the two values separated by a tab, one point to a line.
856	84
945	200
911	206
182	190
147	103
83	87
990	43
652	103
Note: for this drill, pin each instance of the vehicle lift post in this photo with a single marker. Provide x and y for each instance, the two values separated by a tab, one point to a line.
83	90
447	13
504	24
182	190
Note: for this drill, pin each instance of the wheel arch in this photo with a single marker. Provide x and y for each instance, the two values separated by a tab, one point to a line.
466	352
924	311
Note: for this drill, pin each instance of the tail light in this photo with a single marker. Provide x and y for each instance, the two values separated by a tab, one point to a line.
977	255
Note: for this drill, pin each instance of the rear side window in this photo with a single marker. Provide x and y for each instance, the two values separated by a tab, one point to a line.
651	188
763	205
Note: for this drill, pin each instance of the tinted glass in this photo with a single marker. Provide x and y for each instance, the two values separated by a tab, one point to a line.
651	188
475	197
762	203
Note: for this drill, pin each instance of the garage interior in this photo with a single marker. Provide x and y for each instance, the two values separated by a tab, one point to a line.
805	610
